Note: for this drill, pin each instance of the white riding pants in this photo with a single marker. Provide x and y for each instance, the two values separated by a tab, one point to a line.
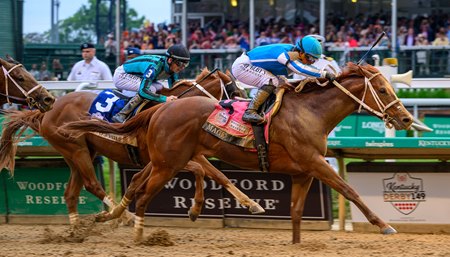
129	83
251	75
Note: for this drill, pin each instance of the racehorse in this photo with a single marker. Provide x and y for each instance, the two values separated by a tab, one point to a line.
17	85
298	135
79	153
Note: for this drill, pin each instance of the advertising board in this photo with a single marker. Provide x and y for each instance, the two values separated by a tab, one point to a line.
413	196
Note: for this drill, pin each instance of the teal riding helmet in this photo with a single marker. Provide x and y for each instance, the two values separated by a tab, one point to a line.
310	45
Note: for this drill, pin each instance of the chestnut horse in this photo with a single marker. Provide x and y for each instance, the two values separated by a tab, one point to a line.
79	153
17	85
298	138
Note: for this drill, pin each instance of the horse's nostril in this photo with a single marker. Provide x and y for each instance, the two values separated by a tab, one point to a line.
49	100
407	120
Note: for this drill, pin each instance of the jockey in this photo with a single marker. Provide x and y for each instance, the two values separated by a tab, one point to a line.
263	66
142	73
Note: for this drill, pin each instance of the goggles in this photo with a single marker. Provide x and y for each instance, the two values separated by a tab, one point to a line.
308	58
181	63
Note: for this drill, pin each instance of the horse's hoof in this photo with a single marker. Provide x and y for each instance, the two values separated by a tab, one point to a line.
256	209
389	231
193	217
102	216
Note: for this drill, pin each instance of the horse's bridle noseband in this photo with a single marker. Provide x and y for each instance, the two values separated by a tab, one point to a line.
28	99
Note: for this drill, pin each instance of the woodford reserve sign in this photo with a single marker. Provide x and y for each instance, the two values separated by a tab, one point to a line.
37	188
271	191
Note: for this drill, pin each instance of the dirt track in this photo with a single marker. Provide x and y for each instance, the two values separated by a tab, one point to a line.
102	240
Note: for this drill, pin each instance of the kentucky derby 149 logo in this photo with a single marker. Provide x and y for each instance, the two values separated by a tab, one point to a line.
403	192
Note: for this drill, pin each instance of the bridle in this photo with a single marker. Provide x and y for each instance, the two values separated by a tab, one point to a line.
382	113
28	99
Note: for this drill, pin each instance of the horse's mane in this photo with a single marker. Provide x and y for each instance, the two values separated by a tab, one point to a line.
350	70
202	74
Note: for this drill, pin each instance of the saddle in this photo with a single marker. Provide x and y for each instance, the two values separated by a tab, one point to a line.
226	123
109	102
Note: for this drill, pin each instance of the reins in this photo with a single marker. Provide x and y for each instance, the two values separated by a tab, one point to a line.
201	88
29	100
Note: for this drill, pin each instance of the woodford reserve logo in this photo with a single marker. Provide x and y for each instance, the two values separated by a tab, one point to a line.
404	192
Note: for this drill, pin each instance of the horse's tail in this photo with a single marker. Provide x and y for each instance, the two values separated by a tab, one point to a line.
16	122
76	129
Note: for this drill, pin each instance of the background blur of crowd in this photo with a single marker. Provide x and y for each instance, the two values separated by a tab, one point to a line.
341	31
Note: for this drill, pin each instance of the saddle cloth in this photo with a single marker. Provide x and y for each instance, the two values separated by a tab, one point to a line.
226	123
107	104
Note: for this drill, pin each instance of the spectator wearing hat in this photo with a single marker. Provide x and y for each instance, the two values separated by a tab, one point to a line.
133	52
110	48
90	68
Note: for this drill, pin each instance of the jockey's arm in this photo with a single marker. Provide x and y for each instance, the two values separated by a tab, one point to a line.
297	67
145	89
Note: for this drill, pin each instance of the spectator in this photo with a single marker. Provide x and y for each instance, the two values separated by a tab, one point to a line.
34	71
58	69
110	48
44	74
90	68
441	55
133	52
422	55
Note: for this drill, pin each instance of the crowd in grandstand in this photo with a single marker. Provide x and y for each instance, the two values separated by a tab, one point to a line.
362	30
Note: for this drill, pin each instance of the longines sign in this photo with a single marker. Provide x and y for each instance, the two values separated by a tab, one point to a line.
271	191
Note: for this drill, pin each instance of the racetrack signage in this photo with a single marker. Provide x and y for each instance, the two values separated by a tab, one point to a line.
399	192
271	191
37	188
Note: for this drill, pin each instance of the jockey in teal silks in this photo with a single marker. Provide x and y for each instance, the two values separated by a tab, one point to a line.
264	66
142	74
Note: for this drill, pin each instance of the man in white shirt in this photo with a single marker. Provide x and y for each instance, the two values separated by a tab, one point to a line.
90	68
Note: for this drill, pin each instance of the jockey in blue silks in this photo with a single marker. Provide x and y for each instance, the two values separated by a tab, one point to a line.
142	74
263	66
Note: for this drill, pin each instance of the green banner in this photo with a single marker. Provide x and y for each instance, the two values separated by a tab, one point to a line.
2	193
346	128
37	188
371	126
440	125
387	142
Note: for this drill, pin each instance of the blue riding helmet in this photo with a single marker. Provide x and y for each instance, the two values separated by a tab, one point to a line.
310	45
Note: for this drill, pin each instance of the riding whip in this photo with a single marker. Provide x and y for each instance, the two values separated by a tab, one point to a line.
374	44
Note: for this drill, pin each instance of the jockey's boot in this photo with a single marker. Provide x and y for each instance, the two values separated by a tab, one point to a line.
127	109
251	114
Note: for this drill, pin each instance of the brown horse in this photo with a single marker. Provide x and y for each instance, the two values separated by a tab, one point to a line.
298	136
17	85
79	153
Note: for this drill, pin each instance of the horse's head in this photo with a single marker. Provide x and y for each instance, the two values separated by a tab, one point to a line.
232	89
380	98
21	87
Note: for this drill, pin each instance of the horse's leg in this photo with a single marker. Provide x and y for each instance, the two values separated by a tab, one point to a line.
138	180
71	194
157	179
299	191
220	178
323	171
84	169
199	198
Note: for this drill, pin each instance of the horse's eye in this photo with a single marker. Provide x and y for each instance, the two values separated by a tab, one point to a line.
21	78
383	90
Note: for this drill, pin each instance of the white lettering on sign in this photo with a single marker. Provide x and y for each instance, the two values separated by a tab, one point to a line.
50	200
374	125
48	186
181	202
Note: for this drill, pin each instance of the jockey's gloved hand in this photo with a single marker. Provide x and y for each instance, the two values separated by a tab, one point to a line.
330	76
